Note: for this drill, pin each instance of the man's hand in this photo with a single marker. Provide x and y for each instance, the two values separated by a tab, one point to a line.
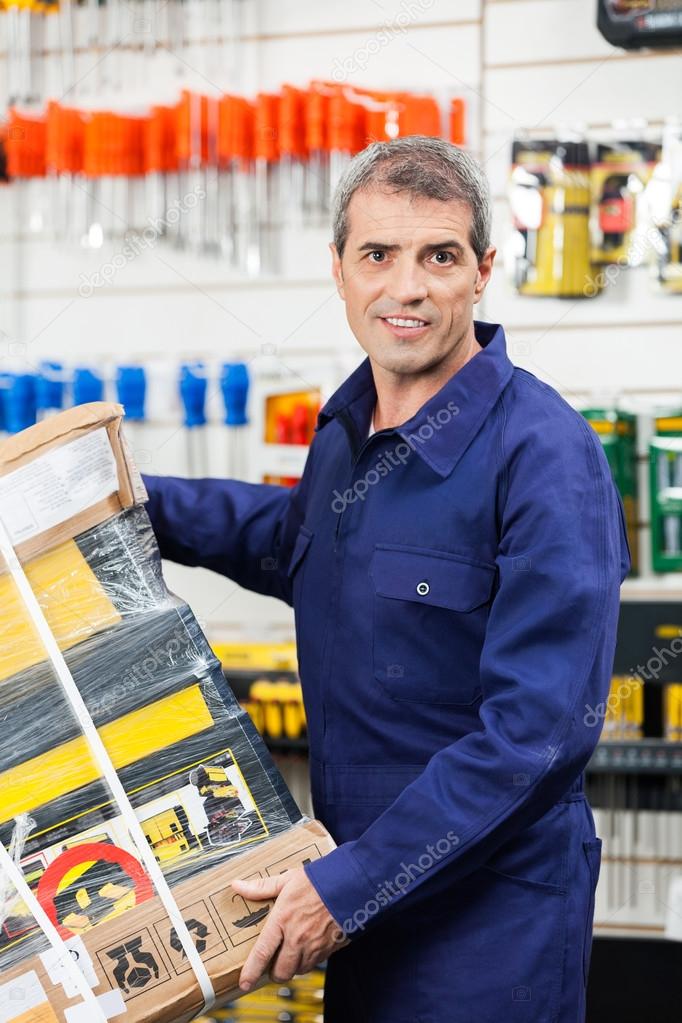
299	930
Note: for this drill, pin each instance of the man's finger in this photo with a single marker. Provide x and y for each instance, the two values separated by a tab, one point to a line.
286	964
261	955
260	887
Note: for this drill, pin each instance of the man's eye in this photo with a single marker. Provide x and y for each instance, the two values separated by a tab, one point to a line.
443	258
379	254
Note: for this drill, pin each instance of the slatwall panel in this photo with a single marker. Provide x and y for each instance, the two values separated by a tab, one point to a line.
520	63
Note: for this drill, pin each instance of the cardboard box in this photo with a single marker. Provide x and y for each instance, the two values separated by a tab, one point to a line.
199	778
134	963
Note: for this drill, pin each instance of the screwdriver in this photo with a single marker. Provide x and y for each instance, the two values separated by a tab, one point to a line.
193	385
265	257
49	389
86	386
20	406
131	388
234	382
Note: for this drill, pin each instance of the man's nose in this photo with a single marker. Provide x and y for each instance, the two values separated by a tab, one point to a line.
407	283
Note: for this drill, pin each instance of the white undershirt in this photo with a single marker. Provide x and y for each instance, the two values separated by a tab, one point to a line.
371	425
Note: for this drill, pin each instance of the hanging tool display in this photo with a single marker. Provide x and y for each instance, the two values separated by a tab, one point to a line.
215	174
548	253
618	176
633	24
580	206
666	494
617	431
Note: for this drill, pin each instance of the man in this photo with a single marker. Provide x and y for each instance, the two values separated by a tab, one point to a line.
453	555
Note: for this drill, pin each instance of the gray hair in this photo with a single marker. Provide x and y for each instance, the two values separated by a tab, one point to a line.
423	167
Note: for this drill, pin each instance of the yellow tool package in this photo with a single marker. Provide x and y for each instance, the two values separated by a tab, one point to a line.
132	784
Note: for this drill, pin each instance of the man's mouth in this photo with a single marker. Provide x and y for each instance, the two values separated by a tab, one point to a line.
405	326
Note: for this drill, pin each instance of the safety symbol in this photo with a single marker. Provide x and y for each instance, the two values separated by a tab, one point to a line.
239	917
207	939
134	967
200	932
133	964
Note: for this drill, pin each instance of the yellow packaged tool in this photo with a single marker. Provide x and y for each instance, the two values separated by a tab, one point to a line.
618	176
133	786
549	250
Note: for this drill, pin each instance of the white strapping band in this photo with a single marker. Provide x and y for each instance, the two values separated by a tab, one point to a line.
107	770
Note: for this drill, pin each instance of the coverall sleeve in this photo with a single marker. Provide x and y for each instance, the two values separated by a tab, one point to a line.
241	530
546	664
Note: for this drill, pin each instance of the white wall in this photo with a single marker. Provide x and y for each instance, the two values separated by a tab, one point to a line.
519	63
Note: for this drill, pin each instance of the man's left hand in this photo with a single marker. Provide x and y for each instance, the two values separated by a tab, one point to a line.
299	930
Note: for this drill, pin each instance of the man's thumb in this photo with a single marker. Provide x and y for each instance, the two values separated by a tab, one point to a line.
260	887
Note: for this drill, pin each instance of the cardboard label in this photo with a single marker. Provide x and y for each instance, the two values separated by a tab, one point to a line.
58	485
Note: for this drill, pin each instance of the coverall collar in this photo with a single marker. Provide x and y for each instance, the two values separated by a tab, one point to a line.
450	419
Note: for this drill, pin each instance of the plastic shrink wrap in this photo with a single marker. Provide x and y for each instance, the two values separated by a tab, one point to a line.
202	786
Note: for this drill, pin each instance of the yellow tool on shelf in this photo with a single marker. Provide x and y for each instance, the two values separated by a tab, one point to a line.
624	719
276	708
673	712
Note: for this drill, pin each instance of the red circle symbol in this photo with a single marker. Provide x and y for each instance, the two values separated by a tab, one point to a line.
93	852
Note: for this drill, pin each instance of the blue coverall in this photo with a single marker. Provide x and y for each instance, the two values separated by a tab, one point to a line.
455	583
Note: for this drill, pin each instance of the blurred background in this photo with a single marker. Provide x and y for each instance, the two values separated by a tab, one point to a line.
166	170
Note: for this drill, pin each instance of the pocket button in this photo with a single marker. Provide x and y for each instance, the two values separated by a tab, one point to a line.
423	588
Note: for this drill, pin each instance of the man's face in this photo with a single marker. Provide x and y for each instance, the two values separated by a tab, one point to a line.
409	260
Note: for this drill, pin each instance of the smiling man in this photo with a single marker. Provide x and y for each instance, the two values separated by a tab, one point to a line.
453	555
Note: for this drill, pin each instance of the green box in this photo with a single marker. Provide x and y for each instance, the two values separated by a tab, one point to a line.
665	479
617	431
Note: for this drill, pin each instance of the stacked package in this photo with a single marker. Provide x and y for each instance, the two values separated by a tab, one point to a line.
194	772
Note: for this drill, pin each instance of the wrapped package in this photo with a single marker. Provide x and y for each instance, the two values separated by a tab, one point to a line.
133	786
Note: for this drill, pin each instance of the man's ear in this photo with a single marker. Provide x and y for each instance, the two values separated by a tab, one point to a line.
485	269
337	273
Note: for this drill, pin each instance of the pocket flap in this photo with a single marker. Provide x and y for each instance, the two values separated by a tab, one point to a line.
431	577
301	545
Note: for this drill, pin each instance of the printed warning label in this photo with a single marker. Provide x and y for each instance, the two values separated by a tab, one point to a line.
134	965
207	940
240	917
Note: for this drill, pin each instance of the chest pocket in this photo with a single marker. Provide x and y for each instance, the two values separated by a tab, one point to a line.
430	614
